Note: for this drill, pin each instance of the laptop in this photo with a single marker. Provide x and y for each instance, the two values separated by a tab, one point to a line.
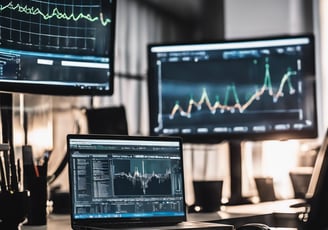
119	181
315	216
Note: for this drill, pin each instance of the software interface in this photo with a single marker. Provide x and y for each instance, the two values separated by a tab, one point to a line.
56	42
238	87
126	179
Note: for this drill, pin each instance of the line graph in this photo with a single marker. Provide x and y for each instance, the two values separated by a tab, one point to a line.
55	13
148	177
232	95
80	26
143	181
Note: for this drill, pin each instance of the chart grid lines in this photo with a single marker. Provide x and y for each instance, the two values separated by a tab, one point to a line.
54	25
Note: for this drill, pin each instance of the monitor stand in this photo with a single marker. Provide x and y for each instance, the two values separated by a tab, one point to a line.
235	155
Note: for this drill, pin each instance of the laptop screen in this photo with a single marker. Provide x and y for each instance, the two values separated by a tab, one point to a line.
124	179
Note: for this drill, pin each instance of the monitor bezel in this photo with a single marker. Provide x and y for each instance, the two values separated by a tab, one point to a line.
54	89
216	138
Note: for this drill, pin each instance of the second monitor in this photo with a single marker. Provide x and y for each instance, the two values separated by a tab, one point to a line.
250	89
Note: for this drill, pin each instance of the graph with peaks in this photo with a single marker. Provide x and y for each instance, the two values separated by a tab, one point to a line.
231	90
55	25
146	177
284	88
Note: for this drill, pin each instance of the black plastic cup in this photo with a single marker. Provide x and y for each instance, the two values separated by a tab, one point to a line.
208	195
14	207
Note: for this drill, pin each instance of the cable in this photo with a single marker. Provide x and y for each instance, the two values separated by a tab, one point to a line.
63	163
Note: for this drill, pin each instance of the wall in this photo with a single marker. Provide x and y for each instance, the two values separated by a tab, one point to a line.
266	17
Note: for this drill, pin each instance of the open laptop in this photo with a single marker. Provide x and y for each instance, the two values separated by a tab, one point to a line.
315	216
119	181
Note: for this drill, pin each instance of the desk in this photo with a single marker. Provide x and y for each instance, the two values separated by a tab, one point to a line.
62	222
277	214
54	222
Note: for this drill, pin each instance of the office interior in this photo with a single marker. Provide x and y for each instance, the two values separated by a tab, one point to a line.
140	22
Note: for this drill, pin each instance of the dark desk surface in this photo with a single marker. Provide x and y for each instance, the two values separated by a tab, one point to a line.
62	222
54	222
275	214
264	208
263	212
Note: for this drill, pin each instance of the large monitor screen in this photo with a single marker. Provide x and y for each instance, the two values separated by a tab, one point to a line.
57	47
254	89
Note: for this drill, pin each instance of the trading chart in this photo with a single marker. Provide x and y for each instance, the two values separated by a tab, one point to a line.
234	87
55	25
252	88
146	177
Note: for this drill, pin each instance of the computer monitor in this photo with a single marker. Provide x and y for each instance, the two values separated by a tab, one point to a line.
251	89
234	90
57	47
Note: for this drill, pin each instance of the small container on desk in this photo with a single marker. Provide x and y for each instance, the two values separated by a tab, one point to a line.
13	203
35	180
13	209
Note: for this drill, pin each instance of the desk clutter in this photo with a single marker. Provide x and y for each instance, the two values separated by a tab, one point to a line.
14	208
23	196
13	201
23	205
